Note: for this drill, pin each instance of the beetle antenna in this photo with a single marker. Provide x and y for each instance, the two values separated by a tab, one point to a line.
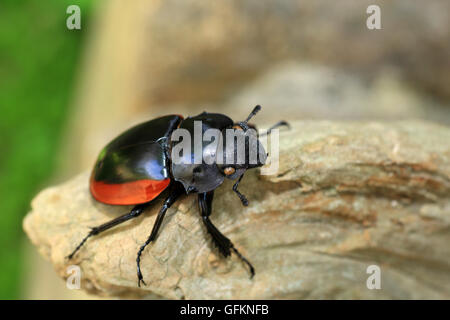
244	124
254	112
276	125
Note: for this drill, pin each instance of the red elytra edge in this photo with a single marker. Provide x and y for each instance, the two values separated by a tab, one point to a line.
127	193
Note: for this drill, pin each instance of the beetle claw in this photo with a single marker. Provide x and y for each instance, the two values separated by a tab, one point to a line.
139	282
141	279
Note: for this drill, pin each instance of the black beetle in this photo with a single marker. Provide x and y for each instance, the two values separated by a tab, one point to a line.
137	166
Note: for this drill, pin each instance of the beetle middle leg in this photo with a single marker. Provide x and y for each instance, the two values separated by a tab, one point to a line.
175	193
134	213
223	243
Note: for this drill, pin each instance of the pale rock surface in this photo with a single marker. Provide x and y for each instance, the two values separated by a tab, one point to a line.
346	196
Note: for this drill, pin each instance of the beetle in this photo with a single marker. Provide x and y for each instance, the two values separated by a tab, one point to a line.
137	166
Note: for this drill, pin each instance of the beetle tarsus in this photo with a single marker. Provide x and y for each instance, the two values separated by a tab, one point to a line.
244	259
90	234
240	195
140	278
139	282
138	261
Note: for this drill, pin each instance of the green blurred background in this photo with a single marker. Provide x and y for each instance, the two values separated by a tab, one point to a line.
38	58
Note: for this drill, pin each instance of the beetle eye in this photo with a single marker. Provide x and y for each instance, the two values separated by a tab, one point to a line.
229	171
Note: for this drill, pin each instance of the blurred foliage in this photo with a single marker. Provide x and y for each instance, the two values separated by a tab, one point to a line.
38	59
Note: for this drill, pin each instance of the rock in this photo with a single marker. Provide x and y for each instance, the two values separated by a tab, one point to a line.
311	91
346	196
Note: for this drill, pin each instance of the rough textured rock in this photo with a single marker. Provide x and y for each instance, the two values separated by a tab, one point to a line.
347	195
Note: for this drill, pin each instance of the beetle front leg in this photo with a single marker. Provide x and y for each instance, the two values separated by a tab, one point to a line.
223	243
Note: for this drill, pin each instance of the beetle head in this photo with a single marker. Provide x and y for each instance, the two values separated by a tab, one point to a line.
241	151
236	150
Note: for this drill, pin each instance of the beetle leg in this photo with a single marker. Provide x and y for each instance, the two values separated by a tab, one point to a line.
135	212
176	192
240	195
223	243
